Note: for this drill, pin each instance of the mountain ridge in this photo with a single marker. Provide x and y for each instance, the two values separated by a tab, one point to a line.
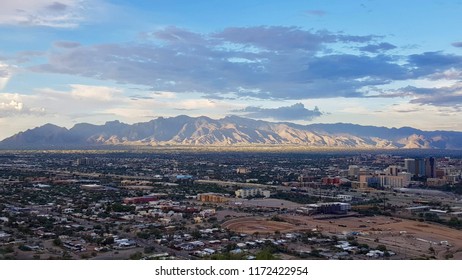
233	130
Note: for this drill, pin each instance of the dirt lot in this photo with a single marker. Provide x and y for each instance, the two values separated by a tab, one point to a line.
408	237
222	214
250	225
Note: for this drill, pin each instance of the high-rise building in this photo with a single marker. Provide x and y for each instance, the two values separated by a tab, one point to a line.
419	167
430	168
410	165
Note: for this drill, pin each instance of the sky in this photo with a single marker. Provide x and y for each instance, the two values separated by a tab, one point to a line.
383	63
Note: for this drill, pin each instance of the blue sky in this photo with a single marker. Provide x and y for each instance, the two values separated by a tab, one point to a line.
384	63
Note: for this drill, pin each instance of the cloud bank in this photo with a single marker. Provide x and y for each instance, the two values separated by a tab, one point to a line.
266	62
49	13
285	113
262	62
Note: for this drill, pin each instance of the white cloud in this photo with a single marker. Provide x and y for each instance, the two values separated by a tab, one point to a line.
425	117
390	112
51	13
94	93
193	104
449	74
88	103
13	105
86	93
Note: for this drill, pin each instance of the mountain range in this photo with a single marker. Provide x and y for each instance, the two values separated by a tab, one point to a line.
232	130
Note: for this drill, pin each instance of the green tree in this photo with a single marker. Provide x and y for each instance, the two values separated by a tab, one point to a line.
57	242
136	256
266	253
381	248
196	234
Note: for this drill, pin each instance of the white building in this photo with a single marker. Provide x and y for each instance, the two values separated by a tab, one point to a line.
353	171
249	192
344	197
242	170
401	180
393	170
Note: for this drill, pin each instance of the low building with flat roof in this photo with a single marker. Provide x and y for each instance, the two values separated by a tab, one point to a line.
212	197
418	209
250	192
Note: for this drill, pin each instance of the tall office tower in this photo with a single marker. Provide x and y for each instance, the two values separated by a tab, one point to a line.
419	167
409	164
430	168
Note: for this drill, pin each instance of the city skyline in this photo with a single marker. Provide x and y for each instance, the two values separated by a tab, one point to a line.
390	64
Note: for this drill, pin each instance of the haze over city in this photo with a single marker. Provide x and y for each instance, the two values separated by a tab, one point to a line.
398	63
